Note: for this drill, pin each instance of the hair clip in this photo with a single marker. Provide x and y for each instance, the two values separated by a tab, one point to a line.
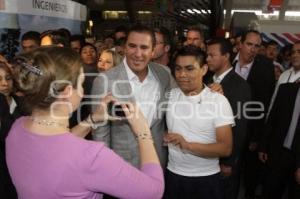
31	68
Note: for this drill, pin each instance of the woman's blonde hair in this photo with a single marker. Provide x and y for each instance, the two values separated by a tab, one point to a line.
117	58
43	73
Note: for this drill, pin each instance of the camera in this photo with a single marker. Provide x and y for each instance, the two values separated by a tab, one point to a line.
115	110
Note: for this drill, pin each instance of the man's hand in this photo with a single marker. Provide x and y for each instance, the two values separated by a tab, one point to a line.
216	88
263	156
177	140
226	171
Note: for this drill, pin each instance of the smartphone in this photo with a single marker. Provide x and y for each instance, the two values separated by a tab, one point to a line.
115	110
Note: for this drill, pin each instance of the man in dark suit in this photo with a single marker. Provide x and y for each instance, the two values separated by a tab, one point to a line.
258	71
280	145
237	91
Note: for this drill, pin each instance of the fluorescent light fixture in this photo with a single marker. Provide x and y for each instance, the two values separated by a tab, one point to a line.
292	13
257	12
117	11
144	12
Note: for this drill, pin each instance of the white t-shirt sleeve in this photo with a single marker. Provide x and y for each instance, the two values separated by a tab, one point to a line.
224	115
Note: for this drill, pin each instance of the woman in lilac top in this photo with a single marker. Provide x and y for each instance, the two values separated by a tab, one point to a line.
48	160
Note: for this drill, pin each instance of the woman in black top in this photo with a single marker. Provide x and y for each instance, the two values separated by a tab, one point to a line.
9	112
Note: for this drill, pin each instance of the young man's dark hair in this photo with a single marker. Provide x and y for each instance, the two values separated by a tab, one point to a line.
191	50
272	43
32	35
225	44
122	30
79	38
66	32
76	42
30	41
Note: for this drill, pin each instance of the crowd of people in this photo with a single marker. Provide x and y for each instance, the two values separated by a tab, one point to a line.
135	116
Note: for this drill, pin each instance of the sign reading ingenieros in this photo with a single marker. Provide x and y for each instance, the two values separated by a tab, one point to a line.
52	8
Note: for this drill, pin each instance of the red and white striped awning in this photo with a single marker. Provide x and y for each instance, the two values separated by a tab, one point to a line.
283	39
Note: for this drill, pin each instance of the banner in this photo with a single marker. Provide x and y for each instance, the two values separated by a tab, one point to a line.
40	15
20	16
52	8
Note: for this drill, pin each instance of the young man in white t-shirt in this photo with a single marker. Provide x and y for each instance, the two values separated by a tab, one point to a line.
199	123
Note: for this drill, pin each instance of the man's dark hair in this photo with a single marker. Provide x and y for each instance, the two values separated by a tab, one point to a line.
191	50
120	42
121	29
272	43
66	32
225	44
87	44
32	35
165	33
297	42
265	44
244	35
79	38
196	29
143	29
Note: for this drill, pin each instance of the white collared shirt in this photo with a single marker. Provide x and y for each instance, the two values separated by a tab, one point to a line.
146	93
243	71
12	106
289	75
218	79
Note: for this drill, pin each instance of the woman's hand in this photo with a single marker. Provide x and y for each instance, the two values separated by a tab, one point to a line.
136	119
101	112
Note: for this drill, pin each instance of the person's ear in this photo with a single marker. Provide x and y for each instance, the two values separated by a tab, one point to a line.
204	69
227	56
67	92
152	52
167	48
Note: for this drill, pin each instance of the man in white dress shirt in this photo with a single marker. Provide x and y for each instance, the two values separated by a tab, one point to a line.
137	80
